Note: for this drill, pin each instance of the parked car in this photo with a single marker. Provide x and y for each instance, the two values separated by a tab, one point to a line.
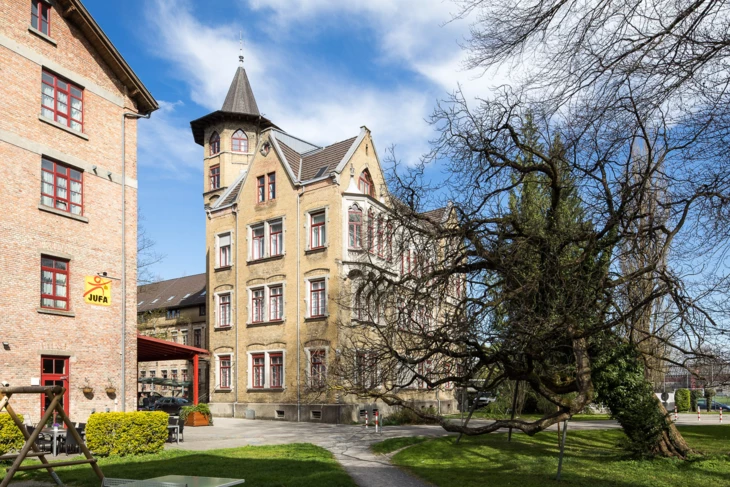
171	405
483	399
148	405
716	406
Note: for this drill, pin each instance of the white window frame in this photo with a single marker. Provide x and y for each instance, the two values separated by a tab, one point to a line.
267	369
308	227
267	238
216	297
308	352
308	295
217	372
267	299
217	257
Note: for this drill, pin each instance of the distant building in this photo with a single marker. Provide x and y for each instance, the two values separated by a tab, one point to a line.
284	228
68	211
174	310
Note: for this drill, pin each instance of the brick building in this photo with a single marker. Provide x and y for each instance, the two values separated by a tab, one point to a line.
68	211
279	212
174	310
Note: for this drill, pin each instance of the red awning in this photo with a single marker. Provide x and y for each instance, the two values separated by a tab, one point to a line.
153	349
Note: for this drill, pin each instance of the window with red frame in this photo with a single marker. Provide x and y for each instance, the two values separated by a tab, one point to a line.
54	283
224	310
62	187
354	228
276	370
277	238
224	250
389	250
260	190
365	184
257	242
257	305
239	141
224	371
317	298
215	177
40	16
258	363
184	375
317	369
276	303
371	232
380	243
317	225
214	143
272	185
62	101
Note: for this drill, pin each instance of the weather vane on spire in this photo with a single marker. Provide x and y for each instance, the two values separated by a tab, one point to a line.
240	43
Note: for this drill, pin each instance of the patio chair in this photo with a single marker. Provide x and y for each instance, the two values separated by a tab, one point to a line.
71	443
181	426
42	442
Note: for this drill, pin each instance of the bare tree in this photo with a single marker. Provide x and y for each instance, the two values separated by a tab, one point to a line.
147	255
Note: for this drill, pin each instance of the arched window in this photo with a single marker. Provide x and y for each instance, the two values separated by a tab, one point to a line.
239	141
365	184
215	143
354	227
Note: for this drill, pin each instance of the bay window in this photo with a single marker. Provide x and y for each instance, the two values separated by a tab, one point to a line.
354	227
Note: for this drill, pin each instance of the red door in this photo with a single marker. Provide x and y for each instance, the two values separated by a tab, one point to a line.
54	372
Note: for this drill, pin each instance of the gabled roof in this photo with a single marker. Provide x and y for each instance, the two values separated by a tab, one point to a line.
180	292
293	158
230	195
75	12
328	158
240	97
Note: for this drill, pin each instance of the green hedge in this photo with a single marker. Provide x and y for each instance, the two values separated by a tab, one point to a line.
681	400
132	433
11	438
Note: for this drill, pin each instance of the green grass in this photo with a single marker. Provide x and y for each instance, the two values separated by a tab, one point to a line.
299	464
592	458
393	444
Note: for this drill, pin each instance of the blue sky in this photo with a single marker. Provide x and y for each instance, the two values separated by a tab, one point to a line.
318	68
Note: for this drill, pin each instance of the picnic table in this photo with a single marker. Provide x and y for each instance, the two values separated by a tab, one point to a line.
189	480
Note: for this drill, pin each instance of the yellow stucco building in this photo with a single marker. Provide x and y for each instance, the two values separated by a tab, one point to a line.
281	233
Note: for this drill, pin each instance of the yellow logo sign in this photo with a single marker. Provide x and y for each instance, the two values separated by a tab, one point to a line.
98	291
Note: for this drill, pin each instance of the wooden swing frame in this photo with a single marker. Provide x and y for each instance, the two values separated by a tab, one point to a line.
54	394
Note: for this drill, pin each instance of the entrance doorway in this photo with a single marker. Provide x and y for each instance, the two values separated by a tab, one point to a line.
54	372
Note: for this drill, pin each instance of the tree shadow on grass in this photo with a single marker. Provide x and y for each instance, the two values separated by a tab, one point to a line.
294	465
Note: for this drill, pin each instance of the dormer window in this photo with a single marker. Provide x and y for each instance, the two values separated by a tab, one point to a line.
215	144
365	184
239	141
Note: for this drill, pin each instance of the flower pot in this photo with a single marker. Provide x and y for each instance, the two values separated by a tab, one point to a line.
197	419
111	390
87	390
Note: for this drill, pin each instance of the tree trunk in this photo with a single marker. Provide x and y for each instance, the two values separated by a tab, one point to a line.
670	443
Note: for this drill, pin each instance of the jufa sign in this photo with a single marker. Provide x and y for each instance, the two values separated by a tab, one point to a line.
97	291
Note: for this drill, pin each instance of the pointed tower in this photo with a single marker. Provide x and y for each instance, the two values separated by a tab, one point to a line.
229	136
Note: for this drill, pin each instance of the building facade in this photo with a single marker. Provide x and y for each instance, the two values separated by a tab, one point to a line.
282	235
174	310
68	212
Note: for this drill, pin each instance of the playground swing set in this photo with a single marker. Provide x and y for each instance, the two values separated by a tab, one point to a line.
30	449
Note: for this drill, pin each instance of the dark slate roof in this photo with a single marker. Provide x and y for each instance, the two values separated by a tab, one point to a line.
231	194
240	97
436	215
184	291
328	157
292	157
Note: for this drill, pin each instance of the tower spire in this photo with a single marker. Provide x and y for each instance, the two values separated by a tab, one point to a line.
240	46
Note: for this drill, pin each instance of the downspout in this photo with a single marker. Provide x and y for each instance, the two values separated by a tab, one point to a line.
124	252
236	294
299	306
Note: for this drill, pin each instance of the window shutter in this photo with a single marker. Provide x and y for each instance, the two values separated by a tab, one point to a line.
224	240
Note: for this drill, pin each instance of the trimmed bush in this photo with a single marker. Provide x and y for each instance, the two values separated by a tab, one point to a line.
694	394
709	395
681	400
406	416
11	438
132	433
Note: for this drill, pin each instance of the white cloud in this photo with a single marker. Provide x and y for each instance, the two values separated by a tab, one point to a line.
165	143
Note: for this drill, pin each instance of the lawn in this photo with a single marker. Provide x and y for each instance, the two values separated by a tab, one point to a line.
299	464
592	459
484	414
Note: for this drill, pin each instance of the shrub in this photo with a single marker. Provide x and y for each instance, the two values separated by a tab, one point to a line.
11	438
132	433
681	400
407	416
694	394
709	394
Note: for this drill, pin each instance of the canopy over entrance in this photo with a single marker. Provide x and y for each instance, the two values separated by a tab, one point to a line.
153	349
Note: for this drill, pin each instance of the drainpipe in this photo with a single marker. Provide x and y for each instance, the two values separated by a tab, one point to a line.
124	253
236	294
299	306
